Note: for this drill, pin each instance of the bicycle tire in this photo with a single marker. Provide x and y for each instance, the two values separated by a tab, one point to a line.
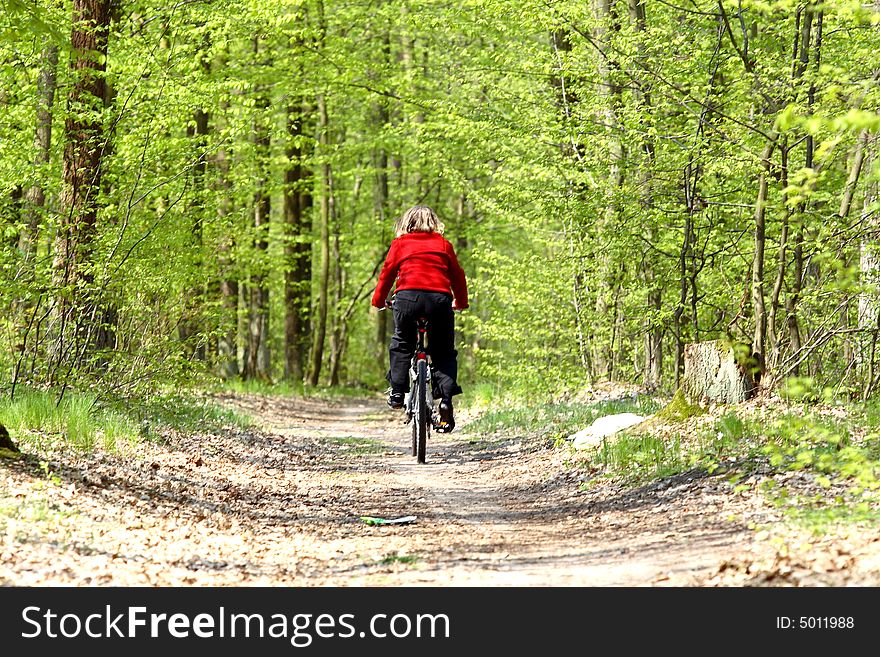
420	417
412	421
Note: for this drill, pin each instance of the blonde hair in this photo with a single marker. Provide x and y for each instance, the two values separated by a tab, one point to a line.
419	219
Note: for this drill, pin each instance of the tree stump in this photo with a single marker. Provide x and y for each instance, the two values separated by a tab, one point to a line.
719	371
8	449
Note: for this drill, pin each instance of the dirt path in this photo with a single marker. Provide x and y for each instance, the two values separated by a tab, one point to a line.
281	505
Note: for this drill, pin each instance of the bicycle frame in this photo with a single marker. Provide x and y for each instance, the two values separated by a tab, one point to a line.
420	353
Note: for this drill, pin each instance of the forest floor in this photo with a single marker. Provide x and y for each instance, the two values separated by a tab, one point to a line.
280	504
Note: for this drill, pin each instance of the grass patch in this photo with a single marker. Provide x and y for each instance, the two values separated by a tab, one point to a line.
836	450
84	421
638	458
391	559
642	457
186	414
78	420
358	446
555	421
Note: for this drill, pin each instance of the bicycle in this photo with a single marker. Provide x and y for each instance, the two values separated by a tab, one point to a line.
418	403
419	410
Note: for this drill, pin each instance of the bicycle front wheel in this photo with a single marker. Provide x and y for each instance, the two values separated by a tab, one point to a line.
421	416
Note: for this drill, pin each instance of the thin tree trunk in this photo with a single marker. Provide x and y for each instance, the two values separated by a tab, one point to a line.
35	196
869	274
855	171
610	91
560	42
653	363
258	362
380	205
773	337
243	325
382	117
759	308
791	302
339	335
320	328
189	329
684	255
227	344
227	282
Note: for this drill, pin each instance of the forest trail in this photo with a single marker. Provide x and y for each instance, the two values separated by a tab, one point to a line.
280	504
498	514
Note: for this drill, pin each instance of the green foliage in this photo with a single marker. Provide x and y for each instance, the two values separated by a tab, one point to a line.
806	389
824	447
597	188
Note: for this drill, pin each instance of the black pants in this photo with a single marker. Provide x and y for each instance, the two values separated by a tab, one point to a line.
409	306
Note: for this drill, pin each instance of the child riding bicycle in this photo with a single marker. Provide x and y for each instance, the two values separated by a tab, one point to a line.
430	284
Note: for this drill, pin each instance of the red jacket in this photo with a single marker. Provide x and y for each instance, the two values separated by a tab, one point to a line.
422	261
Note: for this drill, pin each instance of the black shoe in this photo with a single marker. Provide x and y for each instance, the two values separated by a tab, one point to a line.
447	420
395	400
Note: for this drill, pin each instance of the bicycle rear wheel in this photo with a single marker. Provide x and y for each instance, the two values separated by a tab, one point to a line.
414	422
421	416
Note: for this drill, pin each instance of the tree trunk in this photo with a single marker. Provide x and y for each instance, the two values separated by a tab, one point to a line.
869	275
791	301
570	147
227	343
610	91
189	328
35	196
81	173
715	371
760	311
382	117
339	336
227	280
380	203
774	348
297	251
6	445
653	364
685	254
320	328
257	365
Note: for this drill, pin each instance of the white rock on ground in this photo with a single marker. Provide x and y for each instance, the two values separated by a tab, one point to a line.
603	427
